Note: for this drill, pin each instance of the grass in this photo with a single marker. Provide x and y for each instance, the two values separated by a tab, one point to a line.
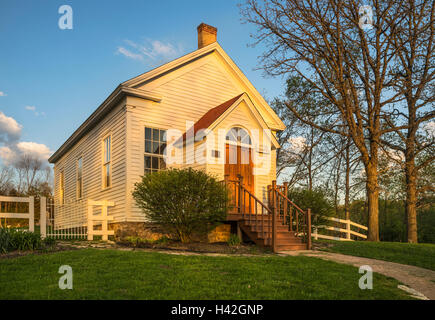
114	274
420	255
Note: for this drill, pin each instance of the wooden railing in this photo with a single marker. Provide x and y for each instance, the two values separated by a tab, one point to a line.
246	204
279	210
289	214
347	231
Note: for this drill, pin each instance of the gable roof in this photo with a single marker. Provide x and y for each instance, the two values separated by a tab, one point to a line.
209	117
198	54
129	88
107	106
215	115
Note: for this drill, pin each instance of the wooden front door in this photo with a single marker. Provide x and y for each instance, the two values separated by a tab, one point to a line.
238	161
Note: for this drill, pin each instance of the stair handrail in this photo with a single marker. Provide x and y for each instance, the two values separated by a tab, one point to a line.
306	214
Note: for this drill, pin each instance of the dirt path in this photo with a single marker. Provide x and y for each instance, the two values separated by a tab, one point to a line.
419	279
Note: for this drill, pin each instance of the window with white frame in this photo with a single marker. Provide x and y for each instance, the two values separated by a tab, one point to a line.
80	178
155	144
107	162
62	188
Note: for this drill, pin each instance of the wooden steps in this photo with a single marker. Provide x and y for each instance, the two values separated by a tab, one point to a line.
286	240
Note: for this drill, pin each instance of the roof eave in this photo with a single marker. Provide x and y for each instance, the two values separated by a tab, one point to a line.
108	104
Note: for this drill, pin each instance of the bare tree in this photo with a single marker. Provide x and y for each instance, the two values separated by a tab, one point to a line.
28	168
323	42
415	80
6	180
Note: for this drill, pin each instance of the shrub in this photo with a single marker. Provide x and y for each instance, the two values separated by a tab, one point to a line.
11	239
49	242
182	201
234	240
316	200
5	240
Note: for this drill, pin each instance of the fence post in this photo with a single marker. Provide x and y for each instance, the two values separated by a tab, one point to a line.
309	228
274	212
90	221
32	214
285	202
348	229
242	211
43	217
104	221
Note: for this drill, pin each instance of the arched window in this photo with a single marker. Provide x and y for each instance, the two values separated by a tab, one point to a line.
238	135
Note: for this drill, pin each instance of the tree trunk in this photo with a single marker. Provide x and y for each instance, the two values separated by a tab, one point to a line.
373	203
347	191
411	201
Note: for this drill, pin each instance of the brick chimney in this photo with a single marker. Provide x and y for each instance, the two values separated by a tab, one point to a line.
206	35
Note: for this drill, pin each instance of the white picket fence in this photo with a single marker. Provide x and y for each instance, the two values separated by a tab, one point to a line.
29	215
347	231
75	220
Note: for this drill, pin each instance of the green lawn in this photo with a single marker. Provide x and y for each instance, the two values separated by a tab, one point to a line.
420	255
114	274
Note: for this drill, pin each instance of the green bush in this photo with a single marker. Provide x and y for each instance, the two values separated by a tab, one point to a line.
5	240
11	239
234	240
316	200
182	202
49	242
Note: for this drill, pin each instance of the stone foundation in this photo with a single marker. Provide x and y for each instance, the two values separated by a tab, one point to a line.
149	231
142	230
220	234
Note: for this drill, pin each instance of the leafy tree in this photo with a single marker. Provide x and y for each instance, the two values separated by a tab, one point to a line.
182	202
323	42
317	200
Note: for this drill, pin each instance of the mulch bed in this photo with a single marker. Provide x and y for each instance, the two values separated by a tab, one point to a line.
200	247
194	247
15	254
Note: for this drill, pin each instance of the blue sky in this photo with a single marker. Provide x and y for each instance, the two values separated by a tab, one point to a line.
51	80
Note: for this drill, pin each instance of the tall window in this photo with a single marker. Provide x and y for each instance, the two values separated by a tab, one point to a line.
107	157
62	188
79	177
155	144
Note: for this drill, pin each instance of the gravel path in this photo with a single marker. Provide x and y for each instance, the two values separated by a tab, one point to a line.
419	279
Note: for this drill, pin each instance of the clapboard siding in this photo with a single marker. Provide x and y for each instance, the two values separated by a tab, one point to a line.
90	148
243	117
187	94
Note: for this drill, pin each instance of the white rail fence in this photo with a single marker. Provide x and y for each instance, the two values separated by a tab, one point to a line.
29	214
347	231
103	218
76	220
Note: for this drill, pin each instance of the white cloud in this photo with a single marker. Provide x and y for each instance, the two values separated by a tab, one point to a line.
7	155
297	144
13	148
152	50
129	54
39	150
2	94
33	109
10	130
